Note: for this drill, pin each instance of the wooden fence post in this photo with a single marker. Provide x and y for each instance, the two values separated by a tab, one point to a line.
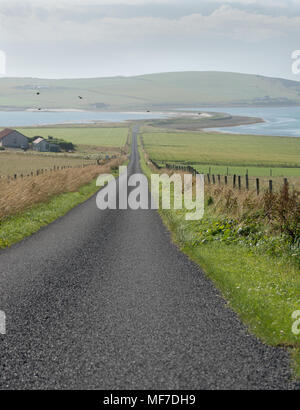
219	179
208	178
257	186
240	182
226	180
213	178
234	181
270	186
247	182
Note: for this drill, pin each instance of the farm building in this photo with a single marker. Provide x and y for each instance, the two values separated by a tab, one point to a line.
42	145
13	139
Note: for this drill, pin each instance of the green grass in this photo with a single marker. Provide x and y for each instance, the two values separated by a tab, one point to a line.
209	148
180	89
102	137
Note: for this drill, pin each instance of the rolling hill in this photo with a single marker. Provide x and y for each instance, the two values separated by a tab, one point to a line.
152	91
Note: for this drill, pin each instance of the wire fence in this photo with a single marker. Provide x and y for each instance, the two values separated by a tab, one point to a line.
240	182
43	171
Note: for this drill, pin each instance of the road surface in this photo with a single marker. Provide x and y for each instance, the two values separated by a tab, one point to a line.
104	300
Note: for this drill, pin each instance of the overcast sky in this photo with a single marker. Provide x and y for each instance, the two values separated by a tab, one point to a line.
91	38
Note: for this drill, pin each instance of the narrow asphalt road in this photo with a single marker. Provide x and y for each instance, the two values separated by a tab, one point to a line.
104	300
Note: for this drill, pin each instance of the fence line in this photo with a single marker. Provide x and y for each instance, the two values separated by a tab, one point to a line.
42	171
238	181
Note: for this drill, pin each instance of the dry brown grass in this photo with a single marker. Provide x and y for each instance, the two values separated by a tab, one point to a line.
18	195
12	163
232	201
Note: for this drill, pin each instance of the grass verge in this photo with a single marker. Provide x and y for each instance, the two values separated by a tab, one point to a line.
17	227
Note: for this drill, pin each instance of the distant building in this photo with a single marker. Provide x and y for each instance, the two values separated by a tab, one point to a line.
42	145
13	139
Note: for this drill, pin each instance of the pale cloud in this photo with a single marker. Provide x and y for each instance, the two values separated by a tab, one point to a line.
33	28
224	22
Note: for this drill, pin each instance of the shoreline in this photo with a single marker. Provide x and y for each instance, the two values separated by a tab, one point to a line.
181	120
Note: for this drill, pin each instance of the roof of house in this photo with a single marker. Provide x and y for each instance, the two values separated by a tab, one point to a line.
5	132
38	140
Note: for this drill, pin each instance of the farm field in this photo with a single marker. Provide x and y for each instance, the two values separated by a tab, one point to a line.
92	136
23	163
257	153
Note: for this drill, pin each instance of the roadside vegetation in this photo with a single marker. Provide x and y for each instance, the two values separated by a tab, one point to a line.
30	203
247	244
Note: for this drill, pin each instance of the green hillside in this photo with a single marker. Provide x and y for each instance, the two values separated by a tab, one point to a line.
153	91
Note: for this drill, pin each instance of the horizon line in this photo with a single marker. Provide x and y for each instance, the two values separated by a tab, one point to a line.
145	74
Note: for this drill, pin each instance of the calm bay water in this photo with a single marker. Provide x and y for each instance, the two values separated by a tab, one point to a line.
29	118
282	121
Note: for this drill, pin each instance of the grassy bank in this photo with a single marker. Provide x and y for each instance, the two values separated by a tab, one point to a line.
258	278
22	219
15	228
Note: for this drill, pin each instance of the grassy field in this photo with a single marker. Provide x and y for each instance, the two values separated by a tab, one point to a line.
180	89
12	163
101	136
257	153
90	141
